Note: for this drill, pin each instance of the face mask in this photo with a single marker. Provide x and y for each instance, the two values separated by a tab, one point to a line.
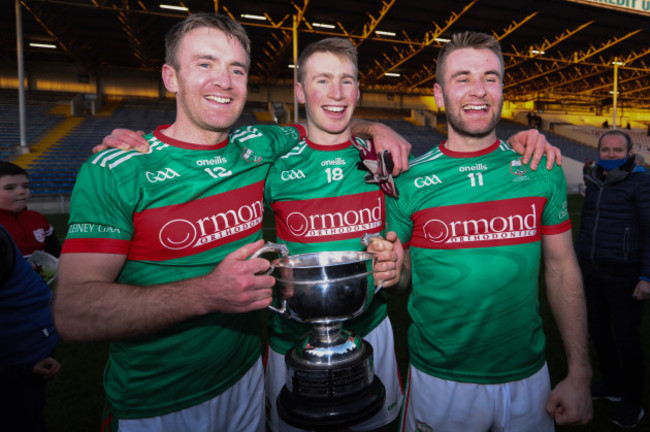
611	164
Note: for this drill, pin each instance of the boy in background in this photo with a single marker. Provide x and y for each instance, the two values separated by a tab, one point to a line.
28	229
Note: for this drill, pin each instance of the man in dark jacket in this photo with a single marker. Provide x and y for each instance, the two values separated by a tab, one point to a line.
613	250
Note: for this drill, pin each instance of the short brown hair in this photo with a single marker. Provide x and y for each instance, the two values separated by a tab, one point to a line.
340	47
467	39
230	27
628	140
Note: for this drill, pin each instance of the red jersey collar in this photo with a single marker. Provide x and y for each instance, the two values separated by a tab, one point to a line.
335	147
457	154
158	133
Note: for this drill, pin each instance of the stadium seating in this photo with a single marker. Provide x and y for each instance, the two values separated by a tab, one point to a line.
38	120
569	148
422	138
54	171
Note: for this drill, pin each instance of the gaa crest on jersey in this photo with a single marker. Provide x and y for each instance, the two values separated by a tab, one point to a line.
161	175
517	167
249	156
290	175
425	181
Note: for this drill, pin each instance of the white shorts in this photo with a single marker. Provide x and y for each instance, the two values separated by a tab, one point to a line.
385	364
240	408
434	404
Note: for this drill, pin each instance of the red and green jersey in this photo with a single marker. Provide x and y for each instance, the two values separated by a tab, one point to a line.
321	203
474	223
176	212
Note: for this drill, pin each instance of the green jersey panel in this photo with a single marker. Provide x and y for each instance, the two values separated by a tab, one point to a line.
175	212
321	202
474	223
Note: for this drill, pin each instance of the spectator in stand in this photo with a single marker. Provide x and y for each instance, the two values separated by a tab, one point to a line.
27	341
613	250
28	229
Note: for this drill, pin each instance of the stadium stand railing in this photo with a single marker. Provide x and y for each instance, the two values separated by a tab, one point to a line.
39	119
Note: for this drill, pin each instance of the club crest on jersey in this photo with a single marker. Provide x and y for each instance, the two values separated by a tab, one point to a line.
249	156
517	167
422	427
39	235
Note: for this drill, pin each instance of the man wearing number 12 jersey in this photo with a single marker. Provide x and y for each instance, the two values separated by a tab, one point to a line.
155	260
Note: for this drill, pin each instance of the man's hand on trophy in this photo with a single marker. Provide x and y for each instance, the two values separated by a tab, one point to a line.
389	256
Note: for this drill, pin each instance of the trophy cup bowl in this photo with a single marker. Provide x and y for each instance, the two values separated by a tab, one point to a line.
330	372
325	287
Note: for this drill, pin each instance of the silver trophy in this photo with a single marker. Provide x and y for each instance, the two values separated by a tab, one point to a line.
330	374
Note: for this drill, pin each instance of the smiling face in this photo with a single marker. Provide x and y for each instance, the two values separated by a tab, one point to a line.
14	192
613	147
330	91
472	94
209	83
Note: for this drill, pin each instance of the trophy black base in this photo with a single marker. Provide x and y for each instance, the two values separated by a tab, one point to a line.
331	413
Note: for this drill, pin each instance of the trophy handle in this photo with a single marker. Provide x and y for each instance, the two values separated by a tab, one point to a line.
283	251
365	240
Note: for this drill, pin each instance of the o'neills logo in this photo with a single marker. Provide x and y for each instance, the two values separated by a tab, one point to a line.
495	223
333	162
329	219
214	161
186	229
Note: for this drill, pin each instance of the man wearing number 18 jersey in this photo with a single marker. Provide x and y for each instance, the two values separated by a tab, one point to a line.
477	222
321	203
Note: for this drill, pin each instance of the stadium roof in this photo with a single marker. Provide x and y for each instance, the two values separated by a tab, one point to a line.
579	41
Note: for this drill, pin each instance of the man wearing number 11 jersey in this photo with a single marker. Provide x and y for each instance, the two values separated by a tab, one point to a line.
477	221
